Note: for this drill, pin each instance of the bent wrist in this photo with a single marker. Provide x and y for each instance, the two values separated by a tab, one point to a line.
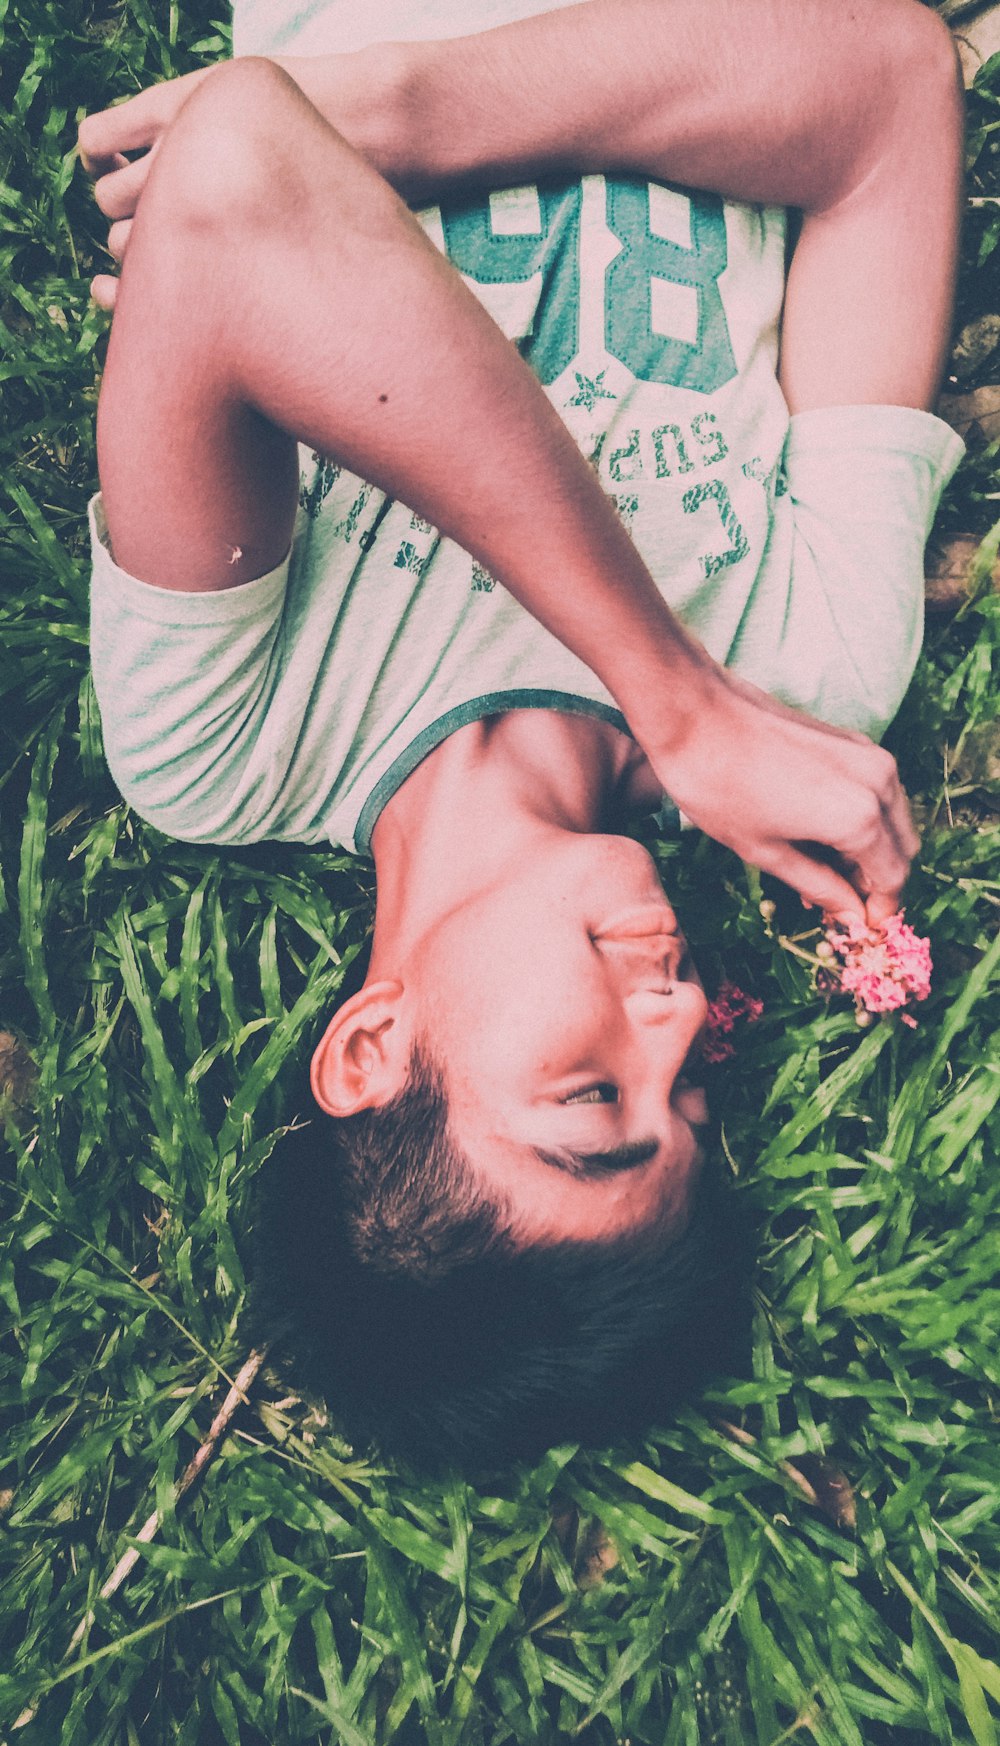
670	700
418	117
362	94
391	117
389	93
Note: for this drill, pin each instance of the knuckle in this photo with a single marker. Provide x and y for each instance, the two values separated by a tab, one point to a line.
869	818
877	772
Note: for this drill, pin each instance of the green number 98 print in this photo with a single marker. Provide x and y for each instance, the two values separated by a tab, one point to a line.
551	254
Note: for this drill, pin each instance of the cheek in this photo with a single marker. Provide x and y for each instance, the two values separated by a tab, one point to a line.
501	1008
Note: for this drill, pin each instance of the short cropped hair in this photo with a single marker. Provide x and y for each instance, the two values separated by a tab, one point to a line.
386	1283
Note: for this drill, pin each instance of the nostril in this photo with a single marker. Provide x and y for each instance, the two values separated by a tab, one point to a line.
652	1006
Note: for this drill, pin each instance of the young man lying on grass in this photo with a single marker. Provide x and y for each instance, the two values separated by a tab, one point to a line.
511	601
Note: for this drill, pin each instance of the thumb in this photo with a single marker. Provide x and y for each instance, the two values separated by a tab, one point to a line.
880	906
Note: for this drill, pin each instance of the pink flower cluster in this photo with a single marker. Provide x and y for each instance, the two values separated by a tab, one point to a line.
882	967
729	1005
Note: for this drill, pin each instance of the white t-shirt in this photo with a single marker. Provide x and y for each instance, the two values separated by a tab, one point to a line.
295	705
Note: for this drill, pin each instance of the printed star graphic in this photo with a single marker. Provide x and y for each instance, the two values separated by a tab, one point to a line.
590	390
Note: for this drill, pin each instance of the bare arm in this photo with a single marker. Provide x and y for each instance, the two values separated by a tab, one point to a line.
851	113
727	754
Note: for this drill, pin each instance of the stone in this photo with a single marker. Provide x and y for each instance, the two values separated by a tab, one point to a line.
946	572
977	40
975	344
975	416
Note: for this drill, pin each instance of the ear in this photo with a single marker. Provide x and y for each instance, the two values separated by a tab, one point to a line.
362	1059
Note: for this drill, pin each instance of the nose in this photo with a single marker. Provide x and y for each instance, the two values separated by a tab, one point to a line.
665	1030
681	1005
651	960
639	922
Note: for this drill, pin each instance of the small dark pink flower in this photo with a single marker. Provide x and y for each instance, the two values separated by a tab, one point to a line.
730	1005
716	1049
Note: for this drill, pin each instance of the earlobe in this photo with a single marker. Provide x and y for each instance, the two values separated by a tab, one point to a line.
361	1060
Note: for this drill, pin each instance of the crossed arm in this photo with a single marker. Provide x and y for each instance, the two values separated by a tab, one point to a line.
851	113
855	122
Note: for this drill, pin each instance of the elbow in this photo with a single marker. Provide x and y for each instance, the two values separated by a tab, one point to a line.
929	78
923	93
904	116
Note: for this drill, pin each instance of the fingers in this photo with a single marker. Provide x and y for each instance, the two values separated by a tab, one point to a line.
870	827
883	860
96	167
139	121
126	127
901	822
104	290
118	193
818	884
879	908
118	237
104	287
875	841
784	791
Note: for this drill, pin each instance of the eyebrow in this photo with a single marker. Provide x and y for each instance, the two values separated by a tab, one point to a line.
594	1164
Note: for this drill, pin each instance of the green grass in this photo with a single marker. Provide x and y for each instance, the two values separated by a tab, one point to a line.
828	1574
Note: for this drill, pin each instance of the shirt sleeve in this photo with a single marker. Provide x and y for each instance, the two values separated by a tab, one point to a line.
183	681
863	485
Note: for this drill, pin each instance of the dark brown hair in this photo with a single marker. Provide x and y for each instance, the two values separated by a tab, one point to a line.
393	1289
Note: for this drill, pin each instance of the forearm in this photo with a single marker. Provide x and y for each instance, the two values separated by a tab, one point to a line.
430	400
775	101
414	387
851	113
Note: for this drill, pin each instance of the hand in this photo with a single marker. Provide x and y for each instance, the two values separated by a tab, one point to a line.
138	124
357	93
776	786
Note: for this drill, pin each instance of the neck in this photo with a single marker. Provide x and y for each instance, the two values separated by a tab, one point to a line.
481	801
